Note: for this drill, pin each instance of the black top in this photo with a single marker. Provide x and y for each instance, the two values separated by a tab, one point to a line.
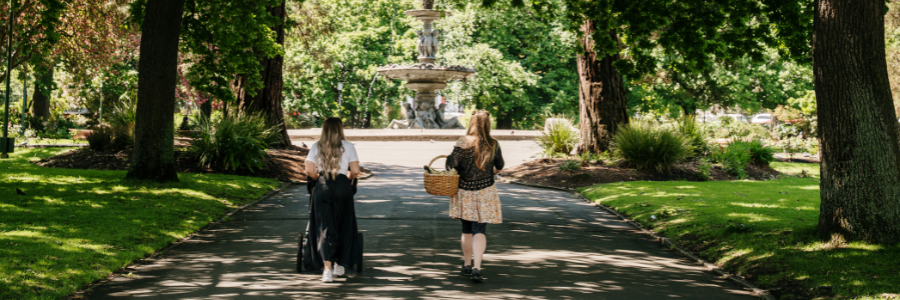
471	178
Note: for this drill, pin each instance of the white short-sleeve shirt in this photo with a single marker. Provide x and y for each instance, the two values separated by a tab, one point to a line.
348	156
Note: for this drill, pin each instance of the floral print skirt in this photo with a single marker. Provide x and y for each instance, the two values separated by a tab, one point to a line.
482	206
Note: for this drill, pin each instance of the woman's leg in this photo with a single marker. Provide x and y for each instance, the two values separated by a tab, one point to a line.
466	242
328	265
467	249
479	243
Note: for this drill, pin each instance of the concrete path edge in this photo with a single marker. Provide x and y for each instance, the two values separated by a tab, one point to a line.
79	294
664	240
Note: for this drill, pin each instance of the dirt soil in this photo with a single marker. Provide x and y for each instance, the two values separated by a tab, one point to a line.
284	165
546	172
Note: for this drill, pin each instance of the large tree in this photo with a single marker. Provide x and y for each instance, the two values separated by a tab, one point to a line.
857	124
154	137
600	93
267	100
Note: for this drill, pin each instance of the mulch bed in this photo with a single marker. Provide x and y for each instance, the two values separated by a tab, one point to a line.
546	172
281	164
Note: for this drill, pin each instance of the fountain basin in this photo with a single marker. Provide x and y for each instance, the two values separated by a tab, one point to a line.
426	72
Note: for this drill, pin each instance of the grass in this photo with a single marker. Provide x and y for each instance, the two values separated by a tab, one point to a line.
77	226
765	230
36	141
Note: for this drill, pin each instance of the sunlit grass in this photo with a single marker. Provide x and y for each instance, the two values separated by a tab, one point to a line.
765	230
38	141
76	226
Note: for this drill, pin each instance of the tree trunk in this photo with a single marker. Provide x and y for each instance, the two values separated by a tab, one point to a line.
41	102
206	110
504	121
601	96
154	137
860	185
268	100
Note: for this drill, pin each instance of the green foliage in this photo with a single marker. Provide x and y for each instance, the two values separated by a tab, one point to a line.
558	137
525	63
695	133
109	138
123	114
760	154
588	158
299	120
238	141
220	49
703	169
346	41
650	147
744	83
792	145
76	227
100	138
569	165
734	157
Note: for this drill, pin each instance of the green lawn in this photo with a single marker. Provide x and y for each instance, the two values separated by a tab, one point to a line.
765	230
36	141
76	226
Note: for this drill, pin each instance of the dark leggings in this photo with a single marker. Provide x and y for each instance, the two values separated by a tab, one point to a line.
469	227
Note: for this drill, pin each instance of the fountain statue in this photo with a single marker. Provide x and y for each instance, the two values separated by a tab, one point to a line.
425	77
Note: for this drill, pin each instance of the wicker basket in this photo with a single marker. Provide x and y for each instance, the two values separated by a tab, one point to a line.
442	183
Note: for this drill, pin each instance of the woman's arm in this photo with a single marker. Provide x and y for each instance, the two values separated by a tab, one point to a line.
354	170
311	172
498	160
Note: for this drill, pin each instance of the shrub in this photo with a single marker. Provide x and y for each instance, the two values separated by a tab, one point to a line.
589	158
108	138
99	139
236	142
299	120
695	133
569	165
558	137
791	145
650	148
703	169
760	154
123	115
734	157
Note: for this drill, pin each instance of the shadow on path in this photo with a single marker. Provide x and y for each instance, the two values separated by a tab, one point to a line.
551	246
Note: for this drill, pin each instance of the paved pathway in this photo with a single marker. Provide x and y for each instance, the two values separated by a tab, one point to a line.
550	246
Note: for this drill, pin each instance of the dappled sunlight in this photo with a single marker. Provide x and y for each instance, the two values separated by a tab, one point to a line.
76	226
752	217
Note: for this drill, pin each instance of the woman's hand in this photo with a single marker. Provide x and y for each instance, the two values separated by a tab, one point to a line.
311	171
354	170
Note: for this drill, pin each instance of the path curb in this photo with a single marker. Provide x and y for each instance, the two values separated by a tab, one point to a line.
664	240
80	294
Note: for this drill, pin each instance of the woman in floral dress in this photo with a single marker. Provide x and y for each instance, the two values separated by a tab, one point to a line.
477	158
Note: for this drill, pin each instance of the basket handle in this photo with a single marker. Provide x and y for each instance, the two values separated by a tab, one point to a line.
435	159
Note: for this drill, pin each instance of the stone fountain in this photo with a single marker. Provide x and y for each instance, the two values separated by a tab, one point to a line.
425	77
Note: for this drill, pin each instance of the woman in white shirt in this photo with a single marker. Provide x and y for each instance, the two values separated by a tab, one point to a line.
333	243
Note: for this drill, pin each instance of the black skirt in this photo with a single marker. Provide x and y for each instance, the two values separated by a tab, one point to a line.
332	225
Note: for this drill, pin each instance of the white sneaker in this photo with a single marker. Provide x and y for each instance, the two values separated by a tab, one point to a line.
338	270
327	276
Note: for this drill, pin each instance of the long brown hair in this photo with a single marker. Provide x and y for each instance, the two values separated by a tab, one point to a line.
331	147
480	134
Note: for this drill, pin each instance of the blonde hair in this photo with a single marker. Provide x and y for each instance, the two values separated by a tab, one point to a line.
479	134
331	147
